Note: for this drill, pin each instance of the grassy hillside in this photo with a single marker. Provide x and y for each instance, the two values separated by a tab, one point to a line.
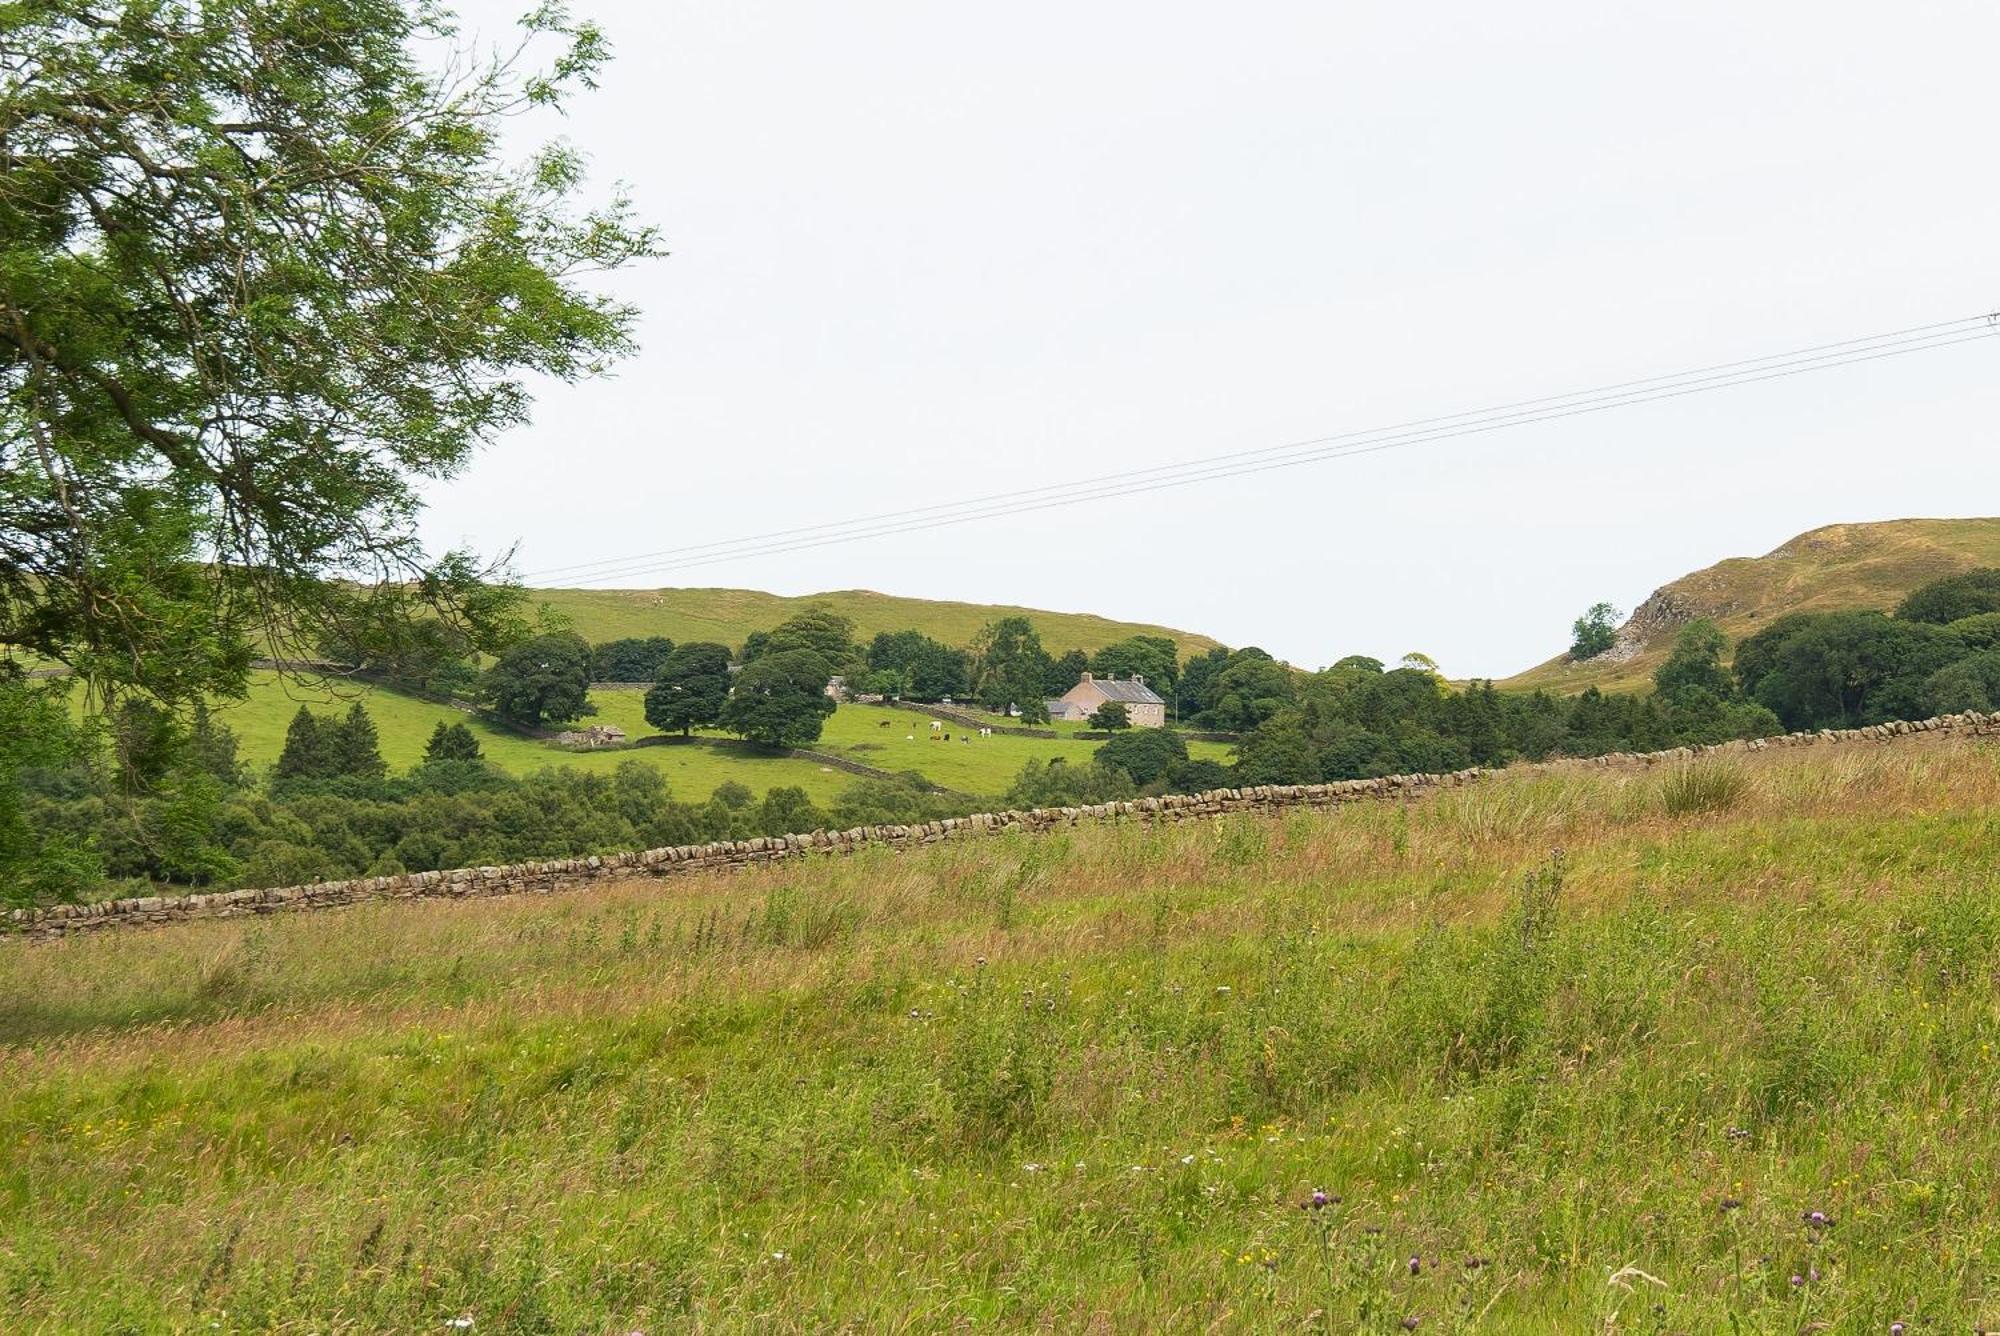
886	739
1078	1082
1837	568
728	615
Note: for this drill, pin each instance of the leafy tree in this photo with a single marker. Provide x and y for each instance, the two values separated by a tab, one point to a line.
823	631
1065	672
733	795
1841	669
1953	598
308	751
1978	632
1594	632
633	659
1251	689
1148	755
1155	658
1695	662
1010	667
1193	692
1057	783
925	668
451	742
1969	684
545	679
353	748
1280	751
780	700
692	688
1111	716
264	277
754	646
788	811
38	860
212	748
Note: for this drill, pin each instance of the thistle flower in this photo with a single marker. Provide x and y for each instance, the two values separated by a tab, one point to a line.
1416	1265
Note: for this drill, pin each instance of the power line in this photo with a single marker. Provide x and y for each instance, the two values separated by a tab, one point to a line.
1847	352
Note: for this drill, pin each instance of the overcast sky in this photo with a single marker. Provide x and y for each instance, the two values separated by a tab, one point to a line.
924	251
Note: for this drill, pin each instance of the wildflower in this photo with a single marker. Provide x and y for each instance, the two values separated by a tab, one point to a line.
1732	1204
1416	1265
1320	1198
1816	1219
1187	1159
1412	1322
1896	1329
1797	1280
777	1257
461	1322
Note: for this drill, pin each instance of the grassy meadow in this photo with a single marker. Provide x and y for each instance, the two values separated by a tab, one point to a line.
874	735
1725	1063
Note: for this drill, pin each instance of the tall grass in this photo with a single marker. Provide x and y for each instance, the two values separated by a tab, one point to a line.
1702	787
1082	1082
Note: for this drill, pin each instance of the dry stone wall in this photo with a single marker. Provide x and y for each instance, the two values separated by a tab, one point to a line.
569	873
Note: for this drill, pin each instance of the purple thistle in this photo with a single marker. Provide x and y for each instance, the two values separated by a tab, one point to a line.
1896	1329
1797	1281
1416	1265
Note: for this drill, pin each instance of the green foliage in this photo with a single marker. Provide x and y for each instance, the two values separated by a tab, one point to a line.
633	659
308	751
780	700
542	680
353	747
263	277
1594	632
819	630
920	667
1148	755
1010	668
692	688
38	861
1249	688
1954	598
1111	716
1057	783
1842	669
787	810
451	743
1696	662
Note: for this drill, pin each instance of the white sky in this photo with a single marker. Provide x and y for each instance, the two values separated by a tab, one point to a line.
927	251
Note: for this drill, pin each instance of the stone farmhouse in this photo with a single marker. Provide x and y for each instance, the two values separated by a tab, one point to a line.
1143	705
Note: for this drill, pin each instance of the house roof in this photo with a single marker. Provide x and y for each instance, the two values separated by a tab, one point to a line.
1128	692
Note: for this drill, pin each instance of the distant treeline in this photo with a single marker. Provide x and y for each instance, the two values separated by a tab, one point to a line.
161	799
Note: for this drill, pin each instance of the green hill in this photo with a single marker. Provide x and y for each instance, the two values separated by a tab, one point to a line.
726	616
1837	568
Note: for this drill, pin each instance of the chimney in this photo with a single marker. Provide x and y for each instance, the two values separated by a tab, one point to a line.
1088	678
1139	678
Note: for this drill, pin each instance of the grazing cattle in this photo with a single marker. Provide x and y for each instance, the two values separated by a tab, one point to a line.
936	726
885	723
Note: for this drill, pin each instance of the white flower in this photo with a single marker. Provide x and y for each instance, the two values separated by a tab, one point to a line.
777	1257
461	1322
1187	1159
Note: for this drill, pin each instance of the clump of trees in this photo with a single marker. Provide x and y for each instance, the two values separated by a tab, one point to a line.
544	679
690	689
632	659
